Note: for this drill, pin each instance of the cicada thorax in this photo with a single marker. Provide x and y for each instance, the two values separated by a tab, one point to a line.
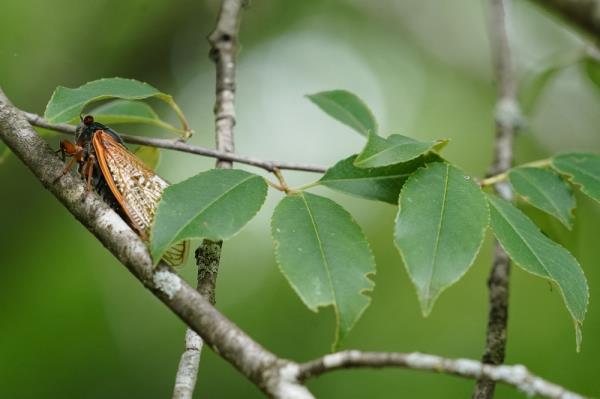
120	178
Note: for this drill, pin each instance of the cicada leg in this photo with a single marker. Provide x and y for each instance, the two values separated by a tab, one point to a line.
88	169
72	150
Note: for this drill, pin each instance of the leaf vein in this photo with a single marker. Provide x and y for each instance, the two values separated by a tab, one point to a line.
323	256
437	238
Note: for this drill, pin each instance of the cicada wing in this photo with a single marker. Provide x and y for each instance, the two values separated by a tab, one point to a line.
136	187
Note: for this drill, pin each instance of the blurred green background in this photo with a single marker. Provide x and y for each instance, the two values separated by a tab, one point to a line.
75	324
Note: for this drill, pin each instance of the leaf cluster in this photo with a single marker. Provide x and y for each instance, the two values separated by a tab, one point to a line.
441	221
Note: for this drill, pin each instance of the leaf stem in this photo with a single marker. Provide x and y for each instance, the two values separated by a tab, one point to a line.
187	132
540	163
490	181
282	182
306	186
168	126
275	185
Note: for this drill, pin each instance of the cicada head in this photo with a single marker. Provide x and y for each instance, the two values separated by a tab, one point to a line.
87	127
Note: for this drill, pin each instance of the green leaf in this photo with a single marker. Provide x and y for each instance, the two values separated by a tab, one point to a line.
393	150
581	169
129	111
347	108
440	227
324	255
215	205
124	111
381	184
537	254
545	190
66	104
149	155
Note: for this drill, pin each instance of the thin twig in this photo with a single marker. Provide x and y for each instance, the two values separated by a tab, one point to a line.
517	376
507	121
178	145
224	45
187	371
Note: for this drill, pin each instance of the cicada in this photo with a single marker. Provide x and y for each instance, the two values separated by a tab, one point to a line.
120	178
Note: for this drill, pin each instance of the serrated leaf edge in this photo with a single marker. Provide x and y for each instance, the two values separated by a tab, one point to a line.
337	337
570	176
578	323
427	311
571	211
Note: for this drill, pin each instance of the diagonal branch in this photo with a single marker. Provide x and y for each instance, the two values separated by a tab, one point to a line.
219	333
507	122
177	145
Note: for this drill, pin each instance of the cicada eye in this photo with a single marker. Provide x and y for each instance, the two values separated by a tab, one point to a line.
88	120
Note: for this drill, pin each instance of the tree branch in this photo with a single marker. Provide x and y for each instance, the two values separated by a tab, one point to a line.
584	14
508	118
278	378
219	333
517	376
177	145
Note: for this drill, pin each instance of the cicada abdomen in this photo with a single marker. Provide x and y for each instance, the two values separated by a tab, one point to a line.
120	178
